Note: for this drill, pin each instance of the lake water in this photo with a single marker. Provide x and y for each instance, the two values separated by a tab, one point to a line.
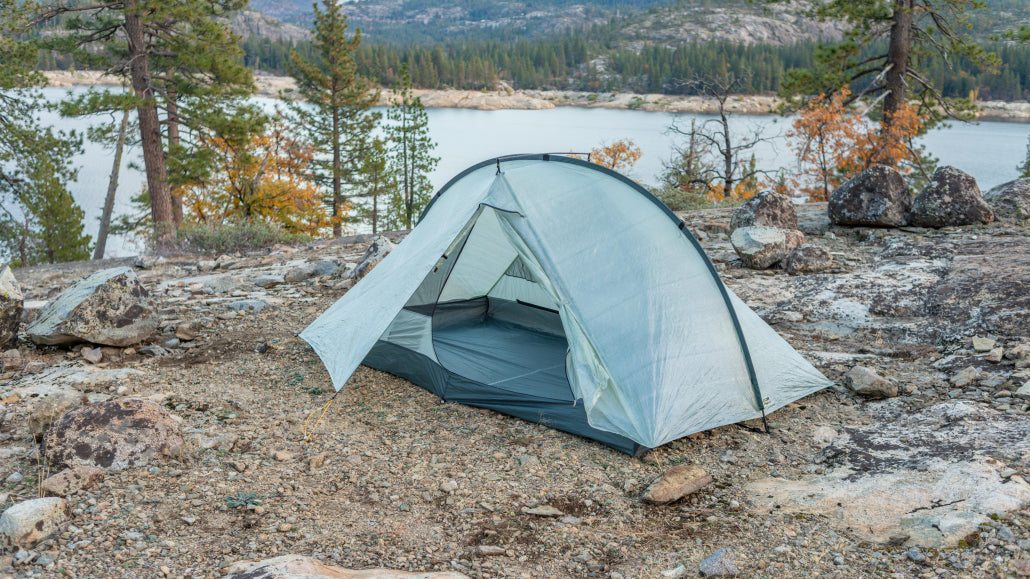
990	151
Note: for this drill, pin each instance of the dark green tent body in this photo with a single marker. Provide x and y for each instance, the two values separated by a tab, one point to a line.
563	293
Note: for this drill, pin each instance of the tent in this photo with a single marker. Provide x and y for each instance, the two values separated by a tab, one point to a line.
561	292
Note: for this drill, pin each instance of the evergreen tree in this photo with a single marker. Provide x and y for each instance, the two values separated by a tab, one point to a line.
411	150
885	53
164	50
380	183
39	220
337	115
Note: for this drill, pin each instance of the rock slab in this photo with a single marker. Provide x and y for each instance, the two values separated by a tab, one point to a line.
11	307
299	567
114	435
768	209
676	483
1010	200
110	307
759	247
951	198
29	522
876	197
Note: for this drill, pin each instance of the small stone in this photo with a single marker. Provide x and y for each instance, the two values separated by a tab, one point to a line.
966	376
15	478
676	572
268	281
490	550
449	486
676	483
865	382
11	360
70	480
807	259
282	456
188	520
185	332
170	344
299	274
916	556
719	564
92	355
165	570
248	305
34	366
983	344
995	355
317	461
544	511
153	351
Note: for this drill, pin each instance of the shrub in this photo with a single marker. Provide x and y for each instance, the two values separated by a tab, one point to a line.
234	237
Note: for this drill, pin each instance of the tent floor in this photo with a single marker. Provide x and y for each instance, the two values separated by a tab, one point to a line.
506	356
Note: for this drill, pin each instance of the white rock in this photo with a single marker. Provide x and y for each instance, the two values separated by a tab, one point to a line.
29	522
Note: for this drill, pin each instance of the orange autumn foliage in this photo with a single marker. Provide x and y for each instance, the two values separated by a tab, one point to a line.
261	177
834	143
618	156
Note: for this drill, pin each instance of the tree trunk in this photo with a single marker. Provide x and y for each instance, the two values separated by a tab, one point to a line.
375	208
112	187
173	141
149	125
727	155
897	58
337	193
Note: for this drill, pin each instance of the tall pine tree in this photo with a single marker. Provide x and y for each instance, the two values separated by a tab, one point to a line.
411	150
165	51
337	116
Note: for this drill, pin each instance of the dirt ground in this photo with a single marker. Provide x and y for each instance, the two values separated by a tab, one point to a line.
392	477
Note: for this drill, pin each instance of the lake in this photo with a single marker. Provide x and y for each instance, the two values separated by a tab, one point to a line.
990	151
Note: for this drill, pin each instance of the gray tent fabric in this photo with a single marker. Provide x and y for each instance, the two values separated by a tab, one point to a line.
558	291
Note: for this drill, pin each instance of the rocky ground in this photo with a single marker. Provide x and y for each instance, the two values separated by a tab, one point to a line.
928	484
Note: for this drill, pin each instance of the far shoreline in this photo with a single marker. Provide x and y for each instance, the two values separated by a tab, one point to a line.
509	99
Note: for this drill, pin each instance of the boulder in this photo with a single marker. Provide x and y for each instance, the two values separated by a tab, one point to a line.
110	307
29	522
676	483
327	267
759	247
11	307
300	567
114	435
865	382
71	480
768	209
1010	200
877	197
300	273
52	407
380	248
808	259
951	198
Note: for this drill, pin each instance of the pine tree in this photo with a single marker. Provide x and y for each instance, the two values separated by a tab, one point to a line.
885	53
39	220
337	115
160	48
411	150
379	183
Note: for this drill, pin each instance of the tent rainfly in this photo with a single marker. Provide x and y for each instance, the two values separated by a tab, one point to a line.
561	292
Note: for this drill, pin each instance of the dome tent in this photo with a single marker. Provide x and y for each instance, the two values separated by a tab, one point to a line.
561	292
